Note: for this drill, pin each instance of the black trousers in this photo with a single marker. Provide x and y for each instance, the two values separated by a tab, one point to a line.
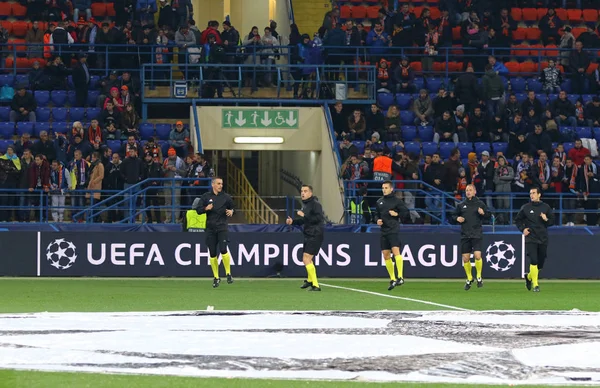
216	241
536	253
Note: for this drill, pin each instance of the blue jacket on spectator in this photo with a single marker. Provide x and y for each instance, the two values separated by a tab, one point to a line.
60	180
143	4
61	146
178	139
500	68
378	46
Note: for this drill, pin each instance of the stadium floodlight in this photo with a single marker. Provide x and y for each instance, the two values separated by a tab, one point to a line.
258	140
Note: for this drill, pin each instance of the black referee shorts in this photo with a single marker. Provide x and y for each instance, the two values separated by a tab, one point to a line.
389	241
312	245
216	241
470	245
536	253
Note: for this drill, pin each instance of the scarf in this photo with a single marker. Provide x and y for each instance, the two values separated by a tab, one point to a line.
562	156
57	178
587	169
443	23
544	172
579	113
94	133
461	186
79	170
504	30
573	179
556	172
383	74
15	159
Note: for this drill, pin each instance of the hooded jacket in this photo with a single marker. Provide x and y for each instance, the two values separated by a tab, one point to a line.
503	177
492	85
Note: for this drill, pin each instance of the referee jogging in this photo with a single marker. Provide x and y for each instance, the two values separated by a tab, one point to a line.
218	207
469	214
533	220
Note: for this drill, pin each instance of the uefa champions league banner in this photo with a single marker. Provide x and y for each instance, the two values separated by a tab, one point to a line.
356	255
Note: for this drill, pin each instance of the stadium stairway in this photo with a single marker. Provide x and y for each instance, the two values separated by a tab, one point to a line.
308	14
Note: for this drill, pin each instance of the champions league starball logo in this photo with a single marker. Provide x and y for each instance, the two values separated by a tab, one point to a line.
61	254
501	256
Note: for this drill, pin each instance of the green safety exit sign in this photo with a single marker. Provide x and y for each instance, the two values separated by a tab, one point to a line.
260	118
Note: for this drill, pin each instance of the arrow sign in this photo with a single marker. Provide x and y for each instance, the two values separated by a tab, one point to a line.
265	120
291	121
240	120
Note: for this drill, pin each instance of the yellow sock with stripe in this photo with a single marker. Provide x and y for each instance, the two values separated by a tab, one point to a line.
468	270
214	265
227	263
534	272
479	267
400	265
389	265
312	274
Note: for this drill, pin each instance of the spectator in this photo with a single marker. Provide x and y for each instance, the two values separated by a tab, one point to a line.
384	80
433	176
39	180
166	15
357	125
551	78
23	106
405	76
579	61
512	107
423	109
476	39
60	181
580	113
540	173
174	167
504	25
550	24
498	132
61	38
110	115
451	168
145	10
81	81
374	120
531	121
589	38
570	186
131	121
94	132
354	168
347	149
82	6
588	183
339	120
478	126
179	139
578	153
77	129
392	125
113	181
378	40
268	41
556	176
115	98
595	80
152	170
132	171
231	38
444	101
564	111
61	147
567	43
27	161
532	102
184	38
10	169
96	176
445	129
523	181
497	67
466	89
461	120
592	112
331	18
106	85
23	144
130	145
184	11
36	77
539	142
560	153
35	39
45	147
493	91
503	177
405	20
56	74
78	145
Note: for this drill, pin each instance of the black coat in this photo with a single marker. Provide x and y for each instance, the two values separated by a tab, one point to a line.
529	217
391	224
472	226
216	219
79	77
313	218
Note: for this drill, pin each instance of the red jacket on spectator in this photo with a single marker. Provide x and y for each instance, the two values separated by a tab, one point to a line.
208	31
42	172
577	155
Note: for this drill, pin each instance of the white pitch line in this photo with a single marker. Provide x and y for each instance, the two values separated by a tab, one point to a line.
397	297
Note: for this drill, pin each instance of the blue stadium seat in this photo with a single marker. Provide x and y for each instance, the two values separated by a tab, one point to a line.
7	79
114	145
429	148
480	147
4	145
59	114
360	145
7	130
573	98
385	100
41	126
465	148
426	133
535	85
500	147
42	97
390	145
552	98
418	81
518	85
164	146
566	130
58	98
70	82
568	146
445	149
25	127
60	127
4	113
403	100
92	113
77	114
42	114
587	98
163	131
597	134
433	84
71	98
22	79
94	82
409	132
521	97
146	130
92	97
566	85
584	132
407	117
412	147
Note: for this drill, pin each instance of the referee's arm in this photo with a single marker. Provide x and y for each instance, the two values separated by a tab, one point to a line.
550	216
486	212
200	208
520	220
402	210
457	213
230	204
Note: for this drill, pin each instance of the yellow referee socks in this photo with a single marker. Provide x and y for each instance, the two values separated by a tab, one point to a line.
214	264
227	263
399	265
389	264
312	274
468	270
479	267
534	272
